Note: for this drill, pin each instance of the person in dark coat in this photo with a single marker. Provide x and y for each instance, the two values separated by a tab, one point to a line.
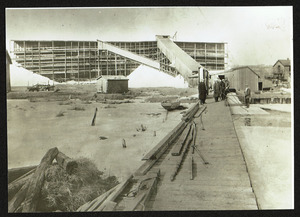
227	84
202	92
222	89
216	88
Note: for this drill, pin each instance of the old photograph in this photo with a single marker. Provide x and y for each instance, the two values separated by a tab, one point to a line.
113	109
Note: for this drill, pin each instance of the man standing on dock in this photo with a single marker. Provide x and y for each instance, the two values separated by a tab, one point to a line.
247	95
202	91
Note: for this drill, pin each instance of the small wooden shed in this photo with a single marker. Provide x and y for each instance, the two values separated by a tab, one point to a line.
112	84
240	76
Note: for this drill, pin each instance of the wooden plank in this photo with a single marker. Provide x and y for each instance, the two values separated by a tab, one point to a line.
15	202
213	197
152	185
97	201
85	206
109	206
30	191
36	182
132	204
191	168
180	158
115	194
181	141
15	173
205	188
190	112
144	168
203	206
165	141
210	181
17	184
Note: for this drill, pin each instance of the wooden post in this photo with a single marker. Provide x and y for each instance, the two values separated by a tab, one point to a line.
191	168
30	192
36	182
94	118
124	143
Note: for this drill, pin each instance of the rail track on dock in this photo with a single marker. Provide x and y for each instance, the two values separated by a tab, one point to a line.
199	165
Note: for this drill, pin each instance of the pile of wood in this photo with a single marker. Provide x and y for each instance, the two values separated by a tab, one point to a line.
24	191
130	195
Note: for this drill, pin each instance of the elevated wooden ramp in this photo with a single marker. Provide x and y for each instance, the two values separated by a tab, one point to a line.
130	55
182	62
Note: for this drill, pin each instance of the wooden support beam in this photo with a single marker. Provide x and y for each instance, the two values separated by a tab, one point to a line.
181	157
36	182
30	192
165	141
190	113
65	61
181	141
191	168
17	184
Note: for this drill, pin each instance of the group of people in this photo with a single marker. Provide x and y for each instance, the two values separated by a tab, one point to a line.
221	88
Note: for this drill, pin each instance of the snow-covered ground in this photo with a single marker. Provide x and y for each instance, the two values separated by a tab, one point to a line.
275	107
144	76
23	77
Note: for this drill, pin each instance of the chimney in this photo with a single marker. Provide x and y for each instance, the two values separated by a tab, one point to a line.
288	59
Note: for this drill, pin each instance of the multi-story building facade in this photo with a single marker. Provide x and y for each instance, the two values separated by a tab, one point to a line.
82	60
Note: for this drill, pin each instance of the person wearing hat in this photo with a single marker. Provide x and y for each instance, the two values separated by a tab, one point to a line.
247	93
222	89
216	88
227	84
202	91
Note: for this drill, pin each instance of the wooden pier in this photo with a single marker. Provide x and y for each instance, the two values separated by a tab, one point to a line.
199	165
220	178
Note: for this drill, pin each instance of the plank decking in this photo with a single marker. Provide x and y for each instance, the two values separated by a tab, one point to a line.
222	184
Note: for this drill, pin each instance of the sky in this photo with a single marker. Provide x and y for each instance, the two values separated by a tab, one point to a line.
254	35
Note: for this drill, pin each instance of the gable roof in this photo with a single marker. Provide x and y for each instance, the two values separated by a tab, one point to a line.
283	62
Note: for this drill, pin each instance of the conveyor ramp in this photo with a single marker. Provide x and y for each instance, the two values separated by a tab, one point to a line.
130	55
182	62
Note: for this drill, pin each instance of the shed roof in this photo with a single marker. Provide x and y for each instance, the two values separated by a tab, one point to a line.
283	62
241	67
8	57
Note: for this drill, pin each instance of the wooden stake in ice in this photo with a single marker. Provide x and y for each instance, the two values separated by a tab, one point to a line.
124	143
94	118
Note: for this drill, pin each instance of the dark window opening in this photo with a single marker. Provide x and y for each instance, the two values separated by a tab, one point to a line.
260	86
